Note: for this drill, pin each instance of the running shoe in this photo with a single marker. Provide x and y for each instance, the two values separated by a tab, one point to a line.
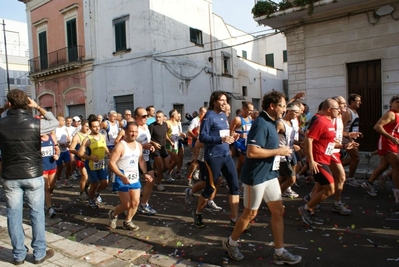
99	198
93	204
130	226
83	196
233	251
112	219
188	198
146	209
50	212
213	207
196	175
341	209
396	195
369	188
169	178
352	182
290	193
309	217
66	184
160	188
286	258
198	220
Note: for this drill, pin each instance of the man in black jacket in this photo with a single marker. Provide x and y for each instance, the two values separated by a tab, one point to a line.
22	172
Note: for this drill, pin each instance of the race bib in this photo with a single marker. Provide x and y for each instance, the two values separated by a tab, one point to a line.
330	149
132	175
355	128
224	133
276	163
47	151
99	165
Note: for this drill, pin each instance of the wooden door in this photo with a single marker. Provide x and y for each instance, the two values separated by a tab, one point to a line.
364	79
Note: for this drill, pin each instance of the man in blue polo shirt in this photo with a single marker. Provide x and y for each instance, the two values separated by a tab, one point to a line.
259	176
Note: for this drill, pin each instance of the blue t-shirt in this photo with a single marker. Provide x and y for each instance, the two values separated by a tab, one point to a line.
150	120
213	127
263	133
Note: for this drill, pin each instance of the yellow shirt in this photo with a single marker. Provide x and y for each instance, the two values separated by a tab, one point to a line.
97	148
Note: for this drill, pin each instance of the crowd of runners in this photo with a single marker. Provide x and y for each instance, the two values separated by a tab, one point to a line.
257	155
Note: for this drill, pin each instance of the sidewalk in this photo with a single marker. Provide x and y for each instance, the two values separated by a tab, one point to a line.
96	248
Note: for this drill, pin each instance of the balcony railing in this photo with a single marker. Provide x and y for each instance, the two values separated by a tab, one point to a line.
56	58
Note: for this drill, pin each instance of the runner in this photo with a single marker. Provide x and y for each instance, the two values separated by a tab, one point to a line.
124	162
94	150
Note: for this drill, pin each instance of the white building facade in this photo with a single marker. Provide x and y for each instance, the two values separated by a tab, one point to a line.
346	46
171	54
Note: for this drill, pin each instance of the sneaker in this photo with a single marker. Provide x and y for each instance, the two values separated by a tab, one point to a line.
233	251
169	178
382	181
66	184
198	221
341	209
130	226
213	207
58	184
50	212
307	198
352	182
306	215
93	204
73	178
146	209
369	188
223	183
188	198
179	176
290	193
233	224
112	219
196	175
83	196
160	188
286	258
99	198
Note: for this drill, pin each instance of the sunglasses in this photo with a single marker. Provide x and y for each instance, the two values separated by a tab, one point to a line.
144	116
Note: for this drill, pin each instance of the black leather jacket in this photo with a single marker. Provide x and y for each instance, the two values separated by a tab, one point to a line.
20	145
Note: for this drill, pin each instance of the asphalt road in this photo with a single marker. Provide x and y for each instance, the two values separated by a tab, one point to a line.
369	236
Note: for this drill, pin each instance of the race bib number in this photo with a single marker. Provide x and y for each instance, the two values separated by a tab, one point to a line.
276	163
330	149
47	151
99	165
247	127
224	133
355	128
132	175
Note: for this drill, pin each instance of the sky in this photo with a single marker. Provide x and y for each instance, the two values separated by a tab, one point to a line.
234	12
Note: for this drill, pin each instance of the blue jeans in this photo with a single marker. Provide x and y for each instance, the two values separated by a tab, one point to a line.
34	192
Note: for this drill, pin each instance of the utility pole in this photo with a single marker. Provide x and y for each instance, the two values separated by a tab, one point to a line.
5	50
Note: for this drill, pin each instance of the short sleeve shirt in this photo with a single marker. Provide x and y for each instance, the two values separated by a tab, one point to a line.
323	133
263	133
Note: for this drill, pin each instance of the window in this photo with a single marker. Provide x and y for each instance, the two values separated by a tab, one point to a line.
120	34
244	91
226	63
244	54
196	36
11	80
179	108
72	40
270	60
206	104
285	56
123	103
43	50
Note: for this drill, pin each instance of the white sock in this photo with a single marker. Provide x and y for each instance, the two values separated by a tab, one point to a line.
279	251
336	203
232	242
210	202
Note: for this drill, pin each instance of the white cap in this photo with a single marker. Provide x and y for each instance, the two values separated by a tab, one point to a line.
76	118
